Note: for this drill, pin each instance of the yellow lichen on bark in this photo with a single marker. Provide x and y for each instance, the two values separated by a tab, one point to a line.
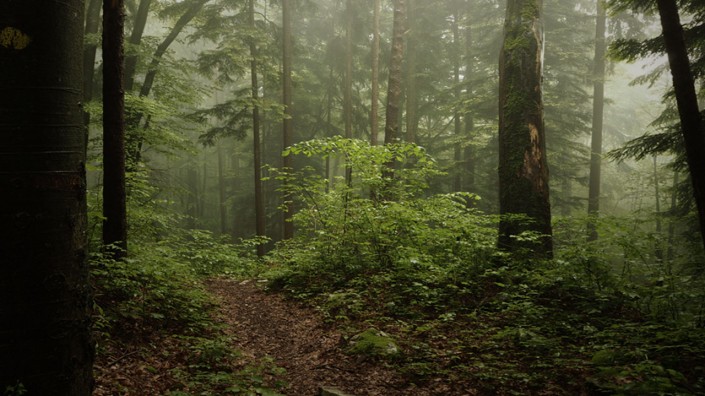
14	38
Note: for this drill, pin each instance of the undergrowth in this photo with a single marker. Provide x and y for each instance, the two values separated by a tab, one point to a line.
152	307
602	318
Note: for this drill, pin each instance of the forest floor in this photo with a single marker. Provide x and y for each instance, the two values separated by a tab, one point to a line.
296	337
301	353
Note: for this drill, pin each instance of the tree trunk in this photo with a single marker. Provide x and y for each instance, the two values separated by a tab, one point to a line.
412	100
287	128
687	101
257	148
222	210
135	145
457	90
391	126
658	250
166	43
45	342
598	105
89	51
672	223
135	39
469	154
114	206
374	107
523	171
347	88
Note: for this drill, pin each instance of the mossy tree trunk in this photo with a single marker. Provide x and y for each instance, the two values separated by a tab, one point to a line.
45	342
523	170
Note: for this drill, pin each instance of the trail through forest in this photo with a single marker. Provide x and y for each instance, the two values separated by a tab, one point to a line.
299	341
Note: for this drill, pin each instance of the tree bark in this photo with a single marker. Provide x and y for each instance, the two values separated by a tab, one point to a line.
374	107
287	128
136	144
257	147
457	90
687	102
89	51
391	125
598	105
222	210
469	152
523	170
347	85
412	100
135	39
45	342
114	199
658	249
166	43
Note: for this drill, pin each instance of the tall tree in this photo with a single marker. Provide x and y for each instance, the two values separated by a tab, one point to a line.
257	146
598	106
523	170
374	106
391	125
412	99
347	84
287	127
469	152
457	91
92	26
687	102
135	146
140	22
45	342
114	198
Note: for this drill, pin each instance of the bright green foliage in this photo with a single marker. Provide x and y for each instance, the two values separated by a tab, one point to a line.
349	234
424	270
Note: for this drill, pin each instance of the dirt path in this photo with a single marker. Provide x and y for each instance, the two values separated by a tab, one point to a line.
300	342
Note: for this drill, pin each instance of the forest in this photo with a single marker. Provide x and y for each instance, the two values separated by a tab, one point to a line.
352	197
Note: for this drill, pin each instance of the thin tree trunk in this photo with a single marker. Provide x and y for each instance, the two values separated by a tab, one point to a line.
135	39
687	101
347	86
192	202
287	128
257	148
672	223
412	101
469	154
658	251
374	107
222	210
166	43
89	51
391	126
329	125
45	341
114	199
146	88
598	105
457	90
523	171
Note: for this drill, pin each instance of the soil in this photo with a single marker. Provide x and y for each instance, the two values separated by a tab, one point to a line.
265	327
310	350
